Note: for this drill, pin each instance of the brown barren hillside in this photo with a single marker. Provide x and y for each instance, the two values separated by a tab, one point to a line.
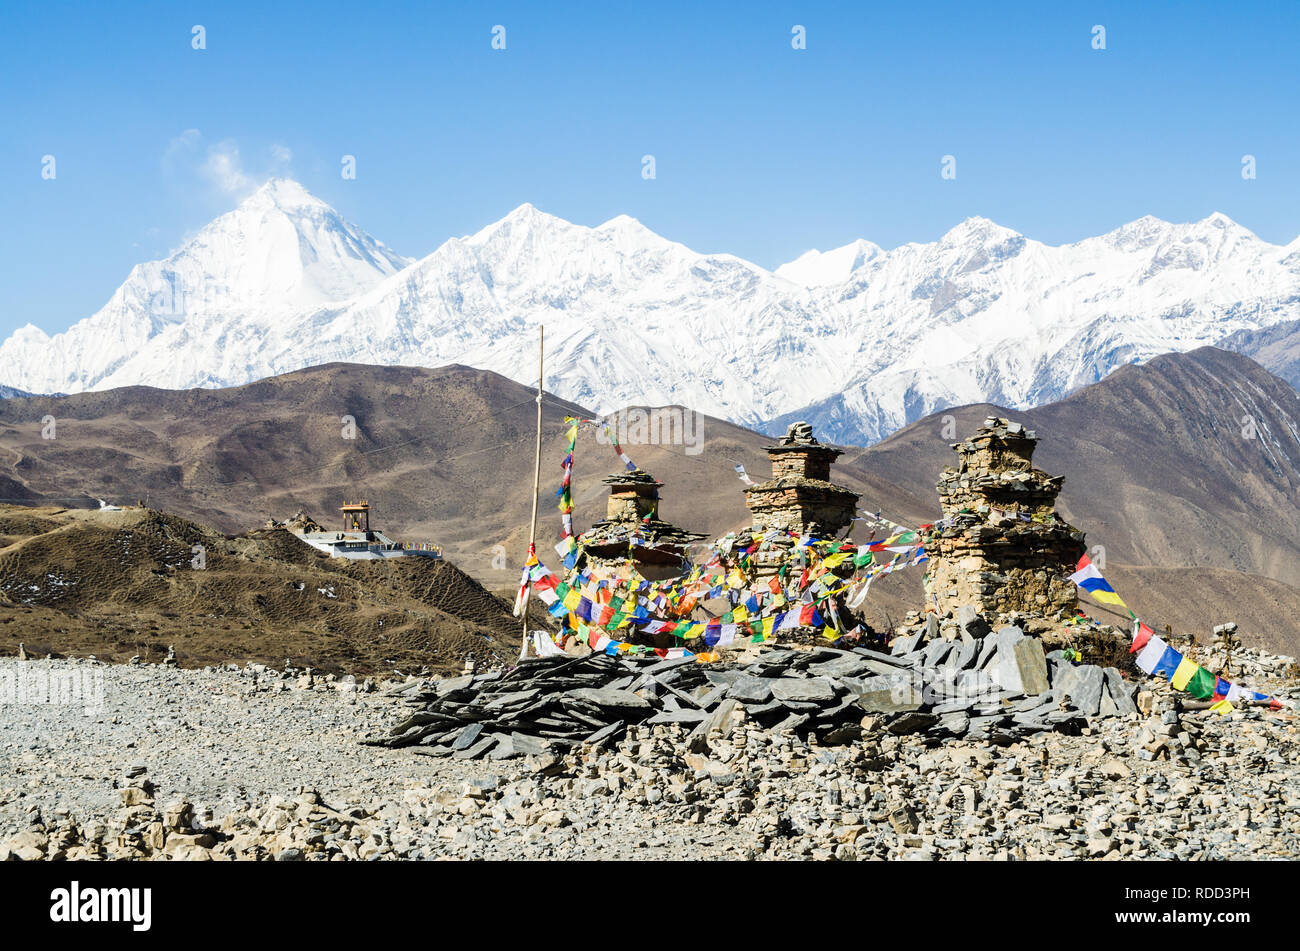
118	584
443	455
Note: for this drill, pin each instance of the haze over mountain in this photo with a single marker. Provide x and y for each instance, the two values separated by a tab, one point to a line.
859	340
1199	524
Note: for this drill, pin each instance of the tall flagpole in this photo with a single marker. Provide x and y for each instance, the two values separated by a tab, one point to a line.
537	487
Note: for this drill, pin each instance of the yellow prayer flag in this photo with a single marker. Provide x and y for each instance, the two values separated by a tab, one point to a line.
1108	597
1183	673
1222	707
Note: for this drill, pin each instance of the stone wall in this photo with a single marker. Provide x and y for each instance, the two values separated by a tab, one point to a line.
1029	573
810	464
629	506
794	504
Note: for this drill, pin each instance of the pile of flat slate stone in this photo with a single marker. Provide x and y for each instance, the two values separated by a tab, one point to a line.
978	683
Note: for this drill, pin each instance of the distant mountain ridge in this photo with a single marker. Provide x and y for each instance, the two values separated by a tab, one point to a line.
1276	347
860	341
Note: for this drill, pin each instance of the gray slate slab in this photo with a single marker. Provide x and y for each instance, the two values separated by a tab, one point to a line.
679	716
904	645
754	690
914	722
467	737
1121	692
609	699
1081	686
816	689
1004	668
1031	666
478	749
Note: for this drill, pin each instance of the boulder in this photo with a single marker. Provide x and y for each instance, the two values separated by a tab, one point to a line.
1081	686
1120	692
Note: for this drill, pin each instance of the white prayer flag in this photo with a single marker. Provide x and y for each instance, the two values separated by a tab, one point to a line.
1150	655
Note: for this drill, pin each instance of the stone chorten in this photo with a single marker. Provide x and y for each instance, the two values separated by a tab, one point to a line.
632	512
1001	546
800	496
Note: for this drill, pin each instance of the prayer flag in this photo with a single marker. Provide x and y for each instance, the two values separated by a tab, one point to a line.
1183	674
1168	663
1141	634
1090	579
1201	686
808	616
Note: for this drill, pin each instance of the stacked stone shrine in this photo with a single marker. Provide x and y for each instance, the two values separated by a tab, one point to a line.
633	529
800	496
1001	546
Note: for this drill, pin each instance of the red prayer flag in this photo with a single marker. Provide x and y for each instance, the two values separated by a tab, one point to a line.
1140	638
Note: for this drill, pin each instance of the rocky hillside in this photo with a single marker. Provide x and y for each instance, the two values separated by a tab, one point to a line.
134	582
175	766
1192	459
443	455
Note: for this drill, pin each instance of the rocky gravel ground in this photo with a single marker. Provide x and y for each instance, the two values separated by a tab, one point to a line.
156	762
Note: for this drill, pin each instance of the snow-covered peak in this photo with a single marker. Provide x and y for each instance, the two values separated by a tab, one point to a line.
819	268
1137	234
30	334
978	231
280	251
625	227
285	194
282	245
525	220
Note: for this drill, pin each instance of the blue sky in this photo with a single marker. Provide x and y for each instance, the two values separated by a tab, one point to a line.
760	150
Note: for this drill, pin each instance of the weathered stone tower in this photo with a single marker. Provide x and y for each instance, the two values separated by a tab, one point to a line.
632	496
1001	546
800	496
632	528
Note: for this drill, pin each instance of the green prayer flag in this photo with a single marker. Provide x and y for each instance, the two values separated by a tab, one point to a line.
1201	686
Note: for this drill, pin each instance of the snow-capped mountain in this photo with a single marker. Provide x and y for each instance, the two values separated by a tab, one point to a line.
858	340
821	268
280	252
